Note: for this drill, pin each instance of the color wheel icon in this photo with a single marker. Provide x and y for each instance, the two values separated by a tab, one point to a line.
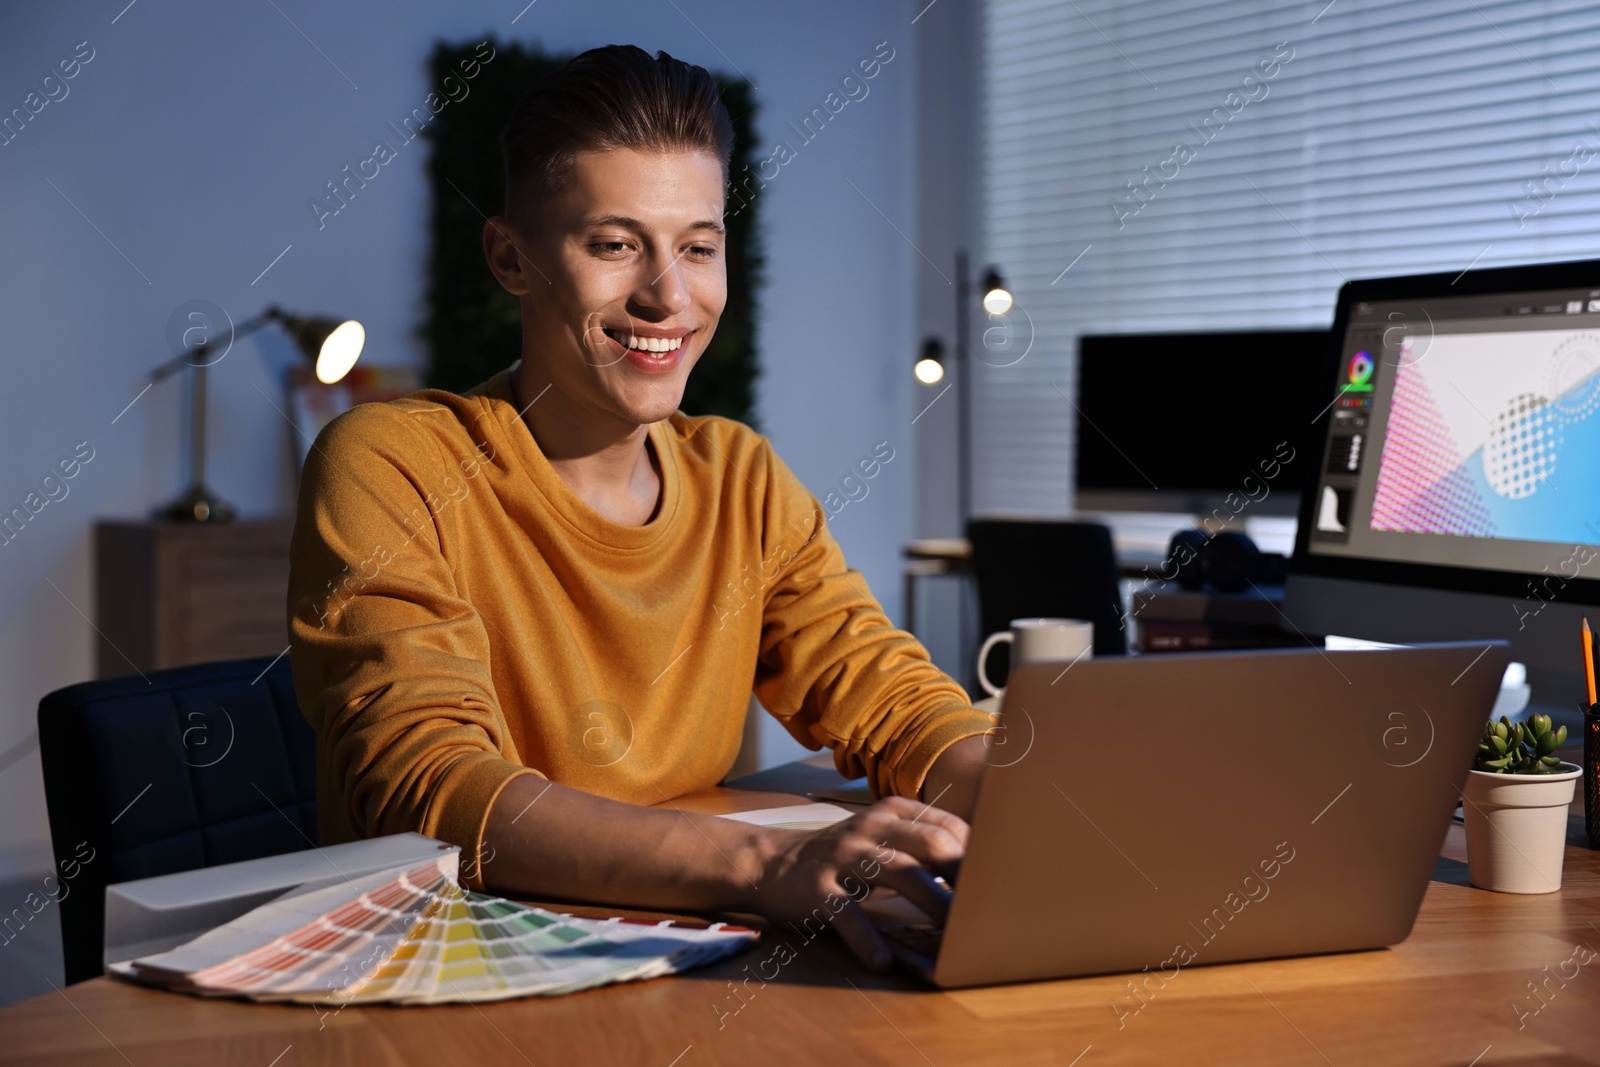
1358	373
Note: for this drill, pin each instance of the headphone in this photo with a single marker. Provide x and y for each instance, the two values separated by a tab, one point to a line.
1228	562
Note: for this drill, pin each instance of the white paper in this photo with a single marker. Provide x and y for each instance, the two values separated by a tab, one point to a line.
793	817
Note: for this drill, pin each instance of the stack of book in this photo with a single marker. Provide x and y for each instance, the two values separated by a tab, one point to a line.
1178	620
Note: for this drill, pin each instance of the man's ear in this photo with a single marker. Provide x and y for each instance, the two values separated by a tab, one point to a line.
509	264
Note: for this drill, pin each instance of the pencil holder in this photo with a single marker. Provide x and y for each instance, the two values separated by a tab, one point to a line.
1591	773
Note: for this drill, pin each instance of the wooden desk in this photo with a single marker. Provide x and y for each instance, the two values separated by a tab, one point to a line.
1444	996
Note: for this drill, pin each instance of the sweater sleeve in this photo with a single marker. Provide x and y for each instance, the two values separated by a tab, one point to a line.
833	668
391	663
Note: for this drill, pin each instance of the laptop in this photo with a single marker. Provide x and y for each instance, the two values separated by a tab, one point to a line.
1185	809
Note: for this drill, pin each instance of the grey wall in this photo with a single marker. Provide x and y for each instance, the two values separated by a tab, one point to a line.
947	111
179	167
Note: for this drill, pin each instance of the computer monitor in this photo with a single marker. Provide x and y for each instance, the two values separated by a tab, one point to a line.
1174	422
1457	486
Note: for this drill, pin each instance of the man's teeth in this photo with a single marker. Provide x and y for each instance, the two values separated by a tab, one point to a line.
648	344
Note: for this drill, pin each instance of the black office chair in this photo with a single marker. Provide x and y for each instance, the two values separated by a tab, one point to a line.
181	768
1049	569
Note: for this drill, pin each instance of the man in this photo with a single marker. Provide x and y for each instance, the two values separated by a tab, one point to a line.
510	610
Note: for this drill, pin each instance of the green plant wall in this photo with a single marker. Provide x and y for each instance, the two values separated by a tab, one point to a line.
473	327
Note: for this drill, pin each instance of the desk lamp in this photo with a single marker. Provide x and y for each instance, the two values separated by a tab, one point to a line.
331	345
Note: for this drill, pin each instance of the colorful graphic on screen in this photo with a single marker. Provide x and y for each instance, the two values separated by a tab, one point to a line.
1495	435
1358	373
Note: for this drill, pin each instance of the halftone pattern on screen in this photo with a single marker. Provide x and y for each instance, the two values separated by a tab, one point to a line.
1520	454
1422	487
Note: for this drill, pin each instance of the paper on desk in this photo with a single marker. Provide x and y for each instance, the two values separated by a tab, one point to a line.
793	817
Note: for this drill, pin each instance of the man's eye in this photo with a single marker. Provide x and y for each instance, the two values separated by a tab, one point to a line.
609	247
703	251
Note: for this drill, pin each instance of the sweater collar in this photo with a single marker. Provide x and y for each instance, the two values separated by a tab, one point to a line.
512	433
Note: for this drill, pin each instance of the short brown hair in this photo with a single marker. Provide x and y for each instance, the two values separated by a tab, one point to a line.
611	97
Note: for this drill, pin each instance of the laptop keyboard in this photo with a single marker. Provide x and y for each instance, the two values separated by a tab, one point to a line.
921	938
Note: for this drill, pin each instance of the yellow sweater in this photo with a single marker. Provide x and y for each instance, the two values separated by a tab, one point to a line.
458	616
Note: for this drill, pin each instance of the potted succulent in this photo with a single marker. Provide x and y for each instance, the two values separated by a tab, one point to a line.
1515	807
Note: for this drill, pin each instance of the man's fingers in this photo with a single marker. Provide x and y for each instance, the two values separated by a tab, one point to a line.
863	938
920	888
918	812
896	843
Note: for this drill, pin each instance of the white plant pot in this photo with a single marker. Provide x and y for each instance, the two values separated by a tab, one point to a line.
1517	828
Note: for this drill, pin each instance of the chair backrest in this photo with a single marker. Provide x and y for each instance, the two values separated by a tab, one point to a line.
1050	569
170	771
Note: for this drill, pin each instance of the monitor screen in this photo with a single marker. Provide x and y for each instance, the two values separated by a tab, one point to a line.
1175	421
1457	468
1463	432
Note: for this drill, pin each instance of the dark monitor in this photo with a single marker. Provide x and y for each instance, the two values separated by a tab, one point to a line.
1176	422
1457	492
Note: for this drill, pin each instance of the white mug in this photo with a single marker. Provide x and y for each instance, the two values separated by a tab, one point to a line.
1036	639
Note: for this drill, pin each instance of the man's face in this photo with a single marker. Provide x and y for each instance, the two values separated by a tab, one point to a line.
621	277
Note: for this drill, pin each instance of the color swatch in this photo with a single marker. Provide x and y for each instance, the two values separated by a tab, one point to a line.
416	937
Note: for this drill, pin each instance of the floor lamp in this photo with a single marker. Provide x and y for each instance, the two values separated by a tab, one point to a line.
331	345
929	369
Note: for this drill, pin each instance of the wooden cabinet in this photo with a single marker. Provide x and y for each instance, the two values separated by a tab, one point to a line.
169	594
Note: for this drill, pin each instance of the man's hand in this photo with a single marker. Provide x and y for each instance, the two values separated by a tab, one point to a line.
546	841
823	875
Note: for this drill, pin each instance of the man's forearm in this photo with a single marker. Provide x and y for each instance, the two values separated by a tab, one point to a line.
544	840
548	840
952	781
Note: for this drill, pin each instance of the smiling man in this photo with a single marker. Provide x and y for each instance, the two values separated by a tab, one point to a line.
503	605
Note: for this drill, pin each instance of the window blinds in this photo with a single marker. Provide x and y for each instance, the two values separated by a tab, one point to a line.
1179	165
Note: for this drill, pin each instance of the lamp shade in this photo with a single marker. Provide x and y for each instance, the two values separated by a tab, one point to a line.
332	345
930	364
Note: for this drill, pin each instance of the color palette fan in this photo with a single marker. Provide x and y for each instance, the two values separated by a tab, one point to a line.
414	936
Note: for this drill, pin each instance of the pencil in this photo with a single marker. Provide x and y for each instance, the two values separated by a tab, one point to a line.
1588	661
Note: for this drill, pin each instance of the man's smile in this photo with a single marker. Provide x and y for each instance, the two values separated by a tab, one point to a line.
652	350
647	339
